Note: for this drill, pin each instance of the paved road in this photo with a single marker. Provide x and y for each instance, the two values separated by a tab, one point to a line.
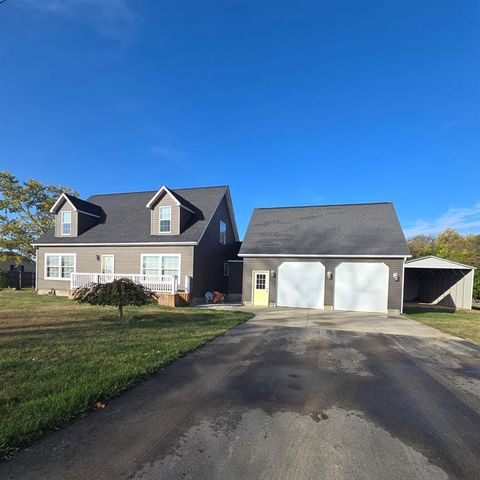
290	395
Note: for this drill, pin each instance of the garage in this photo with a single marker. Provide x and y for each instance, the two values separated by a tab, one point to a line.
361	287
433	281
344	257
301	284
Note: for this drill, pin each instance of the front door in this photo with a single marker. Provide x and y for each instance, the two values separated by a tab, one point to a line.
107	268
260	288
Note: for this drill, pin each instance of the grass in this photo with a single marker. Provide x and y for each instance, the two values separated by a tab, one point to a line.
57	357
461	323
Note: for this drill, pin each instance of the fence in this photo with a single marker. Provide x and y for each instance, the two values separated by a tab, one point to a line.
17	279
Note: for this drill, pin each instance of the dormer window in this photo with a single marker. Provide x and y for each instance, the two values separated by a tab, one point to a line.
66	223
165	224
223	233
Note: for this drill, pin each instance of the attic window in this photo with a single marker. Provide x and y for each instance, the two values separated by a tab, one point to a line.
223	233
66	221
165	225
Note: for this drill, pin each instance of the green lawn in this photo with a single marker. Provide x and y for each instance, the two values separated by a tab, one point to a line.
57	358
462	323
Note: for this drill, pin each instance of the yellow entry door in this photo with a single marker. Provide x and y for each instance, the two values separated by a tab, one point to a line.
260	288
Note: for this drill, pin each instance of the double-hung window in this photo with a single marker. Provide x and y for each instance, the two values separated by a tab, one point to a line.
66	220
161	265
223	233
59	266
165	225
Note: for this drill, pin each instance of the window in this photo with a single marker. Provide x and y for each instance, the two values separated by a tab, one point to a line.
161	265
59	267
165	219
261	281
106	266
66	220
223	233
226	269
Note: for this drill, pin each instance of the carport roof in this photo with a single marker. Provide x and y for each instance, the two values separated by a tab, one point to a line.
367	229
431	261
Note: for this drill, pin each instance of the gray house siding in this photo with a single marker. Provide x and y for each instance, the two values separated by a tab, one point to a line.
66	207
127	260
166	201
235	278
272	263
210	255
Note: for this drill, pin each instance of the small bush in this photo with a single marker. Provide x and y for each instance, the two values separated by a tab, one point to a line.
119	293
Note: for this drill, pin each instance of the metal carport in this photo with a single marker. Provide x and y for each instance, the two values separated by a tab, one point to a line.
436	281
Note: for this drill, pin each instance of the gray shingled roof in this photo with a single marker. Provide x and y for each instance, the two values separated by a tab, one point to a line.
127	220
357	229
85	206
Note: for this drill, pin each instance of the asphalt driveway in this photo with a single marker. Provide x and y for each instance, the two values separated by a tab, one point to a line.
292	394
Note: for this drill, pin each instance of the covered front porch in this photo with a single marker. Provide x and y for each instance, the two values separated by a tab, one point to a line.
164	286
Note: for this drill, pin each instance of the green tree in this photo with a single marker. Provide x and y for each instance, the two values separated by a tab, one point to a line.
119	293
421	245
24	214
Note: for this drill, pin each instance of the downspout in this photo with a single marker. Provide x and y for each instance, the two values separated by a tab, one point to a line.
403	283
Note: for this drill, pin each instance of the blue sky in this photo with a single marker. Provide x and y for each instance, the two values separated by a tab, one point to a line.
290	103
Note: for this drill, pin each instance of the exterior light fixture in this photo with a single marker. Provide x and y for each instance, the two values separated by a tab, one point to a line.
329	275
272	273
396	276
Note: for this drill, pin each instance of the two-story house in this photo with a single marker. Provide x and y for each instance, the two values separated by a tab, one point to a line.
170	240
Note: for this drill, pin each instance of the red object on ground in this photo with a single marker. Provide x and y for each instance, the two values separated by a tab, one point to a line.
218	297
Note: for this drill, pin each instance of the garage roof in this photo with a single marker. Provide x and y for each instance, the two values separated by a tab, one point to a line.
367	229
431	261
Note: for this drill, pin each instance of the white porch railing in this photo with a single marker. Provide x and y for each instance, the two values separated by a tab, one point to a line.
157	283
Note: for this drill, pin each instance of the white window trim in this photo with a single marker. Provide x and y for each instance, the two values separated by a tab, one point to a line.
220	232
101	261
159	219
60	266
178	255
62	223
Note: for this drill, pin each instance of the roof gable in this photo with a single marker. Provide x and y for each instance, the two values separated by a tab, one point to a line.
177	198
432	261
78	205
331	230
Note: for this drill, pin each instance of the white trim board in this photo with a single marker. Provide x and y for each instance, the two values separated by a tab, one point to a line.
317	255
123	244
75	209
163	188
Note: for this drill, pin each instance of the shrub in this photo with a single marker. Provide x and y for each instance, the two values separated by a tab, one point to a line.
119	293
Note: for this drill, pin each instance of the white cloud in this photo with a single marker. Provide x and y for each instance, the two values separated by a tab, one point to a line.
465	220
114	18
166	153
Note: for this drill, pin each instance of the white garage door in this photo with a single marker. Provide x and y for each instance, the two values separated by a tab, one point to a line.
361	287
301	284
